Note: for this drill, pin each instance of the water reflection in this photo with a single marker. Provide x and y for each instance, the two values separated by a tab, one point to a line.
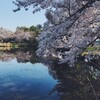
22	77
19	81
81	82
23	55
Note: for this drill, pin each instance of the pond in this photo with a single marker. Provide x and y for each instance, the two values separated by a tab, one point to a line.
24	77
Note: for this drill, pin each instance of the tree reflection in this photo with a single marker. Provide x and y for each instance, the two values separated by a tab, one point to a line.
22	55
81	82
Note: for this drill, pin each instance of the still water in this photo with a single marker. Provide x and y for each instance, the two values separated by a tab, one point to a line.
23	77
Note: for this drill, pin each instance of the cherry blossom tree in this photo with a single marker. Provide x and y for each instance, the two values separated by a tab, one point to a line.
71	26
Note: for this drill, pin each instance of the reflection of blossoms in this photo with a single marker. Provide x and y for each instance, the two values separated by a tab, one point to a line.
22	56
6	57
81	82
71	26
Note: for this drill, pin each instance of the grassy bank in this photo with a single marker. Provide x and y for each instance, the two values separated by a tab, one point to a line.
93	49
9	46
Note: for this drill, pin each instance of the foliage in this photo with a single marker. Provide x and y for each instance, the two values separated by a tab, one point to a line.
23	28
71	25
93	48
32	28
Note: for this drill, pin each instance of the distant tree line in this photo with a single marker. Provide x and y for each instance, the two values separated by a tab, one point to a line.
37	28
23	35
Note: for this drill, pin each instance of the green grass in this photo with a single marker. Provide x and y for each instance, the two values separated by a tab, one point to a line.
14	45
94	48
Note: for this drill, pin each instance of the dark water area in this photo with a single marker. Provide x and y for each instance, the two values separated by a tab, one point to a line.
24	77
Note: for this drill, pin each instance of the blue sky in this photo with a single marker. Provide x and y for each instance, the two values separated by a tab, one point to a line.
10	20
